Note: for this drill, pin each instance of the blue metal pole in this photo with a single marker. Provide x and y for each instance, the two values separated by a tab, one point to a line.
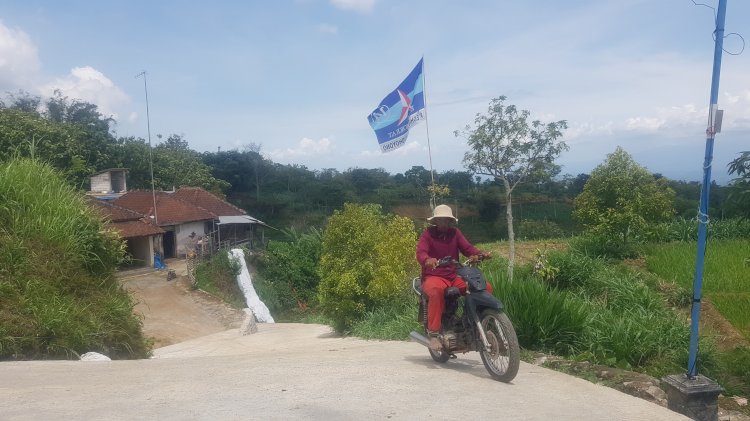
703	212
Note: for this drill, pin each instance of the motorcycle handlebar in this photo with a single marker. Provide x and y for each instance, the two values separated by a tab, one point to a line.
447	260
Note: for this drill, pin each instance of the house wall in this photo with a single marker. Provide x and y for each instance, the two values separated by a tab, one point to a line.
182	235
142	250
101	183
118	181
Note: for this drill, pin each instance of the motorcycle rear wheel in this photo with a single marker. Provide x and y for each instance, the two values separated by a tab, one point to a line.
503	358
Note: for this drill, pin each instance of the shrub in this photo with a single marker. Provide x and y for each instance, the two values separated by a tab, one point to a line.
597	244
366	260
289	270
218	276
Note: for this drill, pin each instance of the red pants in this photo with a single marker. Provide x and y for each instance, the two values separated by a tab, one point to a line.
434	287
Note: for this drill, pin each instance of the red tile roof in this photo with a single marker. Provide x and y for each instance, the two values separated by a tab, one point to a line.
208	201
128	223
169	210
133	229
112	212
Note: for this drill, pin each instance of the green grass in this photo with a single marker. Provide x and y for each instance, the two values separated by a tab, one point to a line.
58	294
393	322
726	275
218	277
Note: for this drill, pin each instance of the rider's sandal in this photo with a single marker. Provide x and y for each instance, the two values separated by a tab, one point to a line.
435	343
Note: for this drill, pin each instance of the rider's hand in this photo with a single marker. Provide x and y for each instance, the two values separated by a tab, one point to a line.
431	263
486	255
479	257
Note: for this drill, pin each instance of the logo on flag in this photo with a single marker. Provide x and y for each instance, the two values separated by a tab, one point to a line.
399	111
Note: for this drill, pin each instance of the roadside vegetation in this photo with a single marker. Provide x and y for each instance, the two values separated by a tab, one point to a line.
58	294
608	280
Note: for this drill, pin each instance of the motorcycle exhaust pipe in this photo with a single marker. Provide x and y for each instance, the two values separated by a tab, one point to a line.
419	338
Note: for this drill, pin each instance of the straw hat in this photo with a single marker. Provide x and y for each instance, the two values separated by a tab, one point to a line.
442	211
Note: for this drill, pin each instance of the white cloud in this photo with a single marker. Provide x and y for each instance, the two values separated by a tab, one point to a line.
361	6
578	130
644	123
328	29
305	147
19	60
90	85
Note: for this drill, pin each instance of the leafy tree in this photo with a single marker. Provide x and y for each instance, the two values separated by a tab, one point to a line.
176	165
621	198
61	145
25	102
740	187
69	134
505	146
367	257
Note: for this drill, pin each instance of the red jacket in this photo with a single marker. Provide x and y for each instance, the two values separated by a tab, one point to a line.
438	245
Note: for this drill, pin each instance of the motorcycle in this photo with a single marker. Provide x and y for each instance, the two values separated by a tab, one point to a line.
474	322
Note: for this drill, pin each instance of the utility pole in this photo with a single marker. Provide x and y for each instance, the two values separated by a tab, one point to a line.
714	126
150	153
692	394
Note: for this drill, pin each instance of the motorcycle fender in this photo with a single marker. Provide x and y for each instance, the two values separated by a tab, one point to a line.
483	299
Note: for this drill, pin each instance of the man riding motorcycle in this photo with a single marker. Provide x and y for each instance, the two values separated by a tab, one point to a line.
439	240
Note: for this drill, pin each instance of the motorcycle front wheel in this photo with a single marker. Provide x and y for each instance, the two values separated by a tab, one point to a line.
503	357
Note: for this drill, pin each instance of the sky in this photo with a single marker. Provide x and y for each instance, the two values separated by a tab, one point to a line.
300	77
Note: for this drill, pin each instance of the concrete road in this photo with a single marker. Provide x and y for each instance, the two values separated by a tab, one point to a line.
294	371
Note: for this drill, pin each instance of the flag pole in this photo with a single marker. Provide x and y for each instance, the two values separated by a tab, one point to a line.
427	127
150	157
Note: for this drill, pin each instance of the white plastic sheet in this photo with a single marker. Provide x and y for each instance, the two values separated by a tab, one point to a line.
94	356
259	309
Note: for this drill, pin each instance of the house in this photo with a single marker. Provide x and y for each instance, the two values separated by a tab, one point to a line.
184	223
170	223
141	237
233	225
190	215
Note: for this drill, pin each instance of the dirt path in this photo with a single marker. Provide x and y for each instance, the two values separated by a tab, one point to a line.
172	311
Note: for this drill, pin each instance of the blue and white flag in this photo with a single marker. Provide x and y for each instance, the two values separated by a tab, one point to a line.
399	111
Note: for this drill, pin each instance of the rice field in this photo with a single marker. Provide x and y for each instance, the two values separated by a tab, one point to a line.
726	275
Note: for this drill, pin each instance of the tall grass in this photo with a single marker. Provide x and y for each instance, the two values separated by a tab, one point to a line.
591	309
391	322
35	202
58	294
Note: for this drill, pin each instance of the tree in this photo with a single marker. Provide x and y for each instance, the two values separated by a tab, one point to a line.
621	197
176	165
505	146
740	187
